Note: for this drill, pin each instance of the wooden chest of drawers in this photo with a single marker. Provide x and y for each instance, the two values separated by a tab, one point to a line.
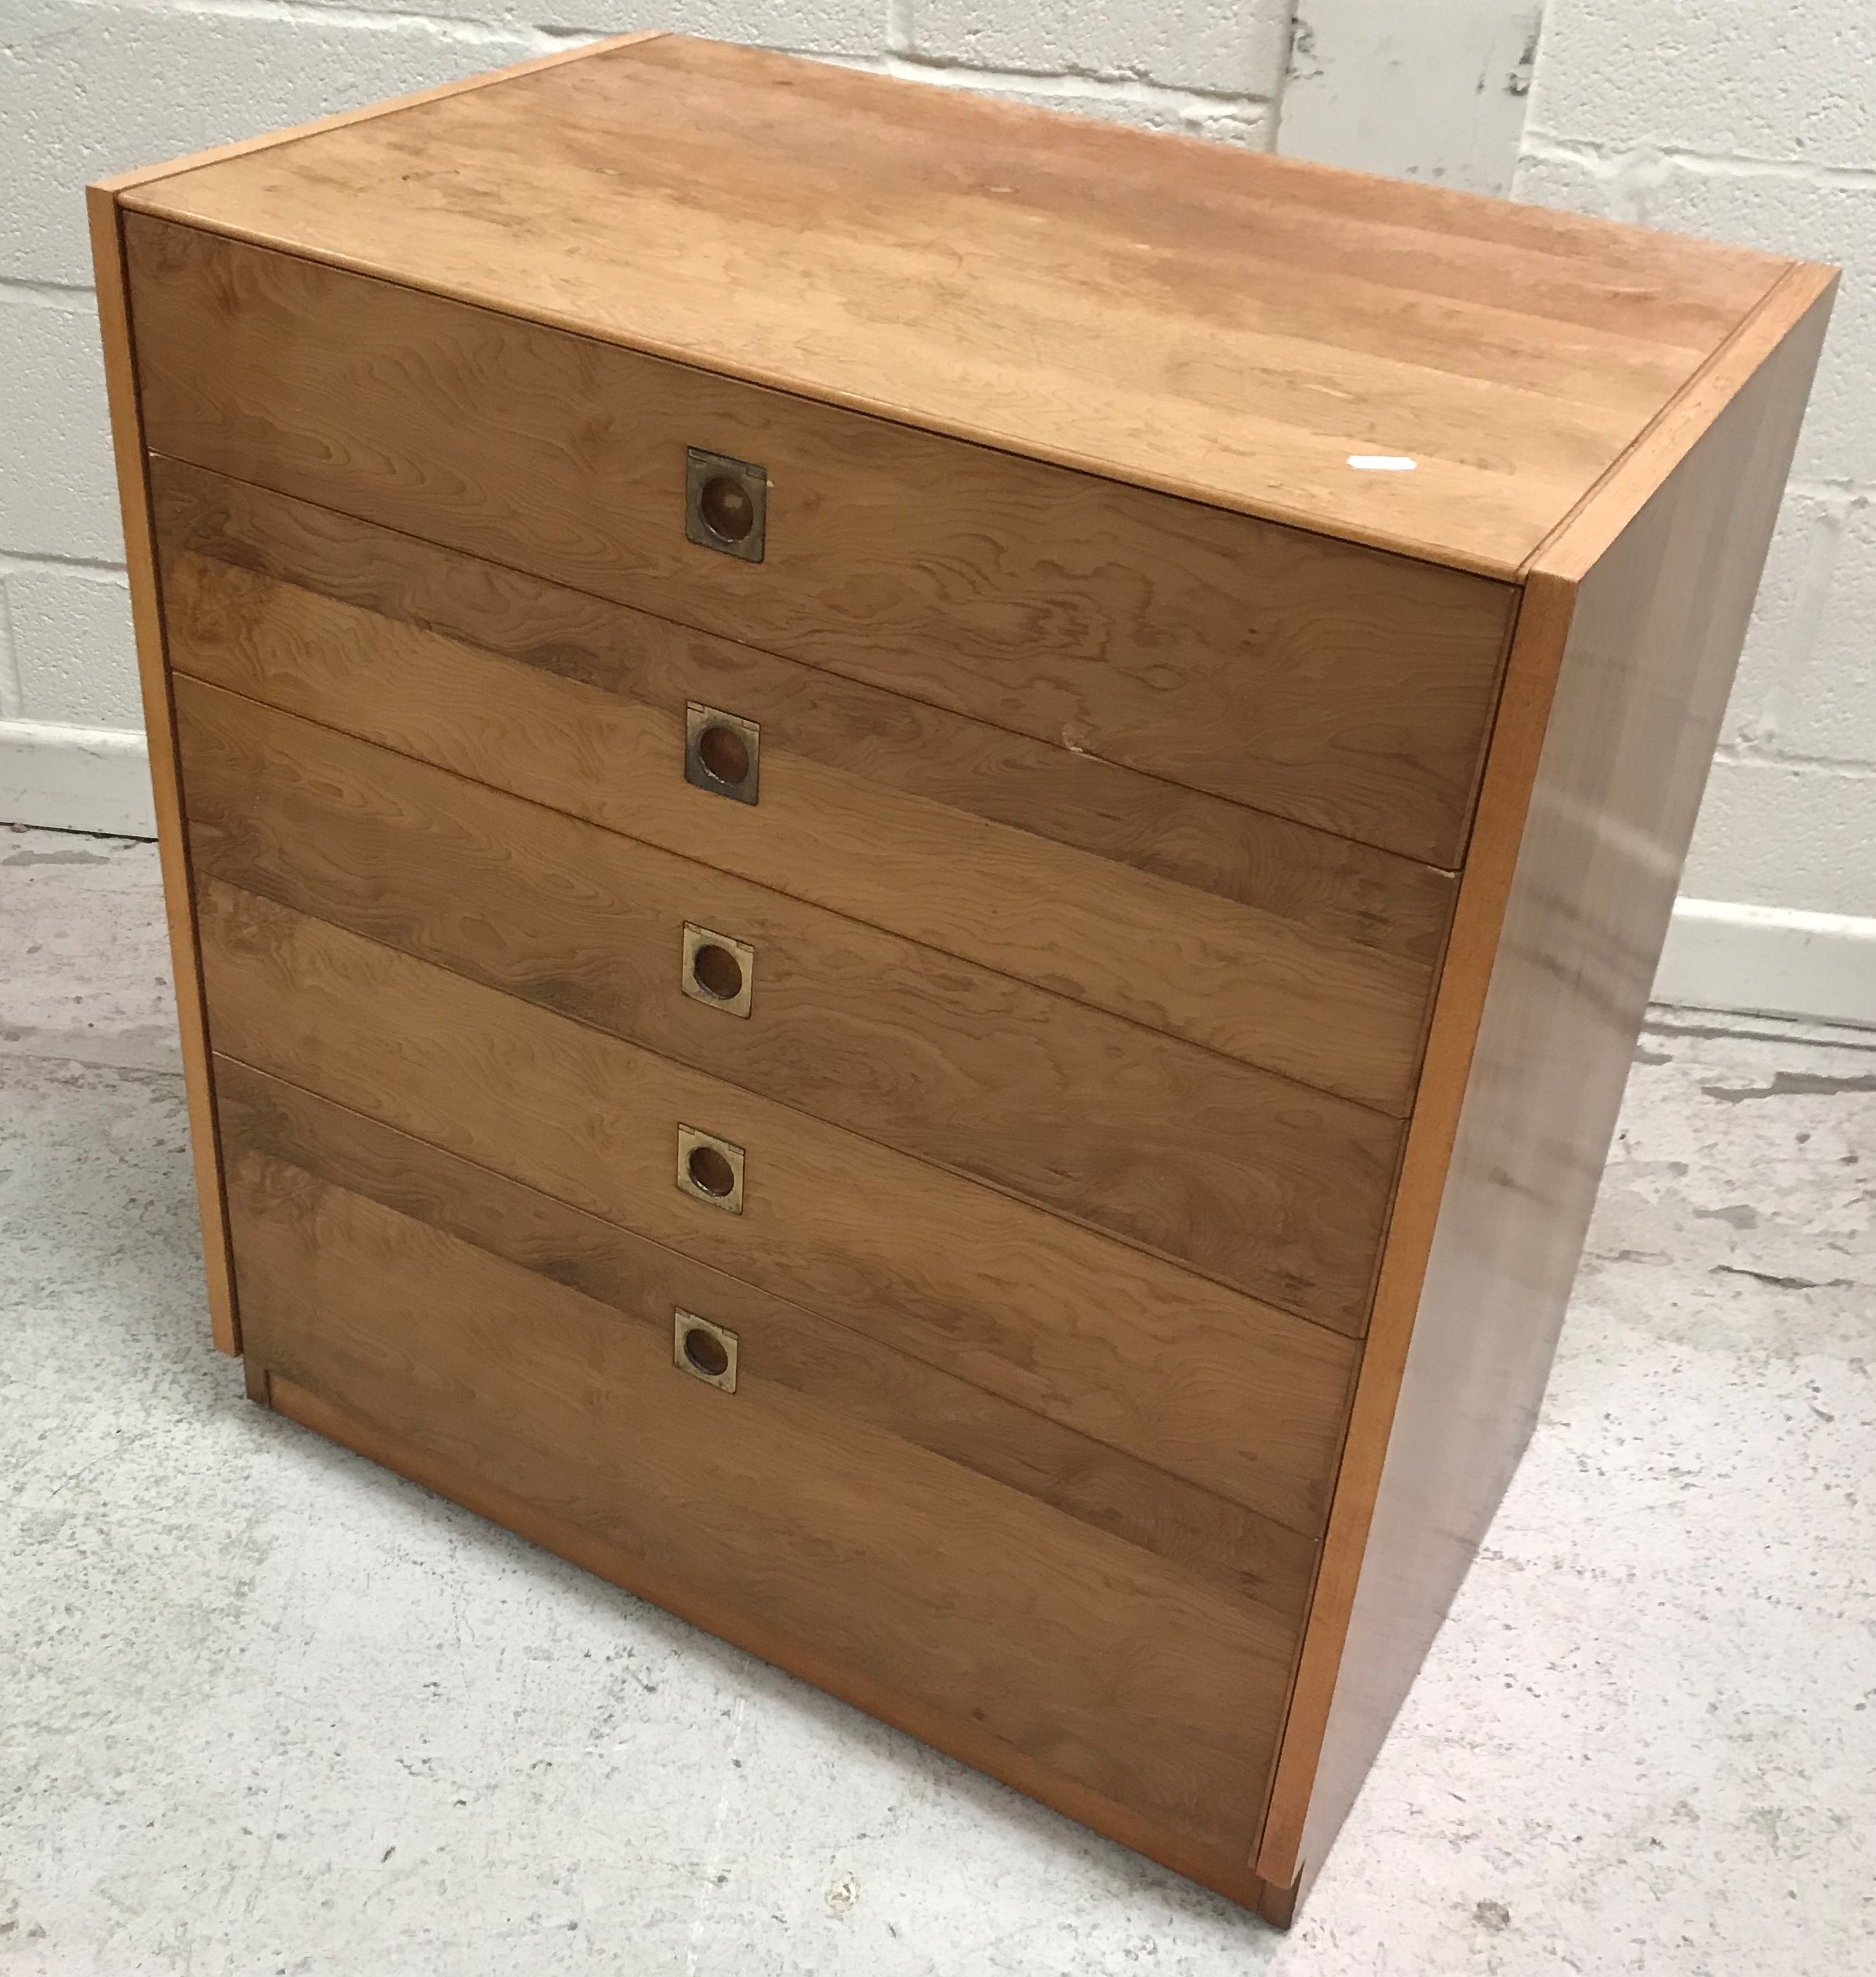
914	850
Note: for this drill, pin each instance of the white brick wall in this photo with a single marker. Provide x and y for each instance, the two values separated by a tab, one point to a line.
1420	89
1217	47
1755	121
1751	120
89	87
86	89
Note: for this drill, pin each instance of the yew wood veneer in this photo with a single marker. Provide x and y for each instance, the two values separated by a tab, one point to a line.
913	850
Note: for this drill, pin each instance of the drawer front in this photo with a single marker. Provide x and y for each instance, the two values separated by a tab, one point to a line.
1244	1554
925	1576
1228	1392
1274	1189
1339	686
1275	945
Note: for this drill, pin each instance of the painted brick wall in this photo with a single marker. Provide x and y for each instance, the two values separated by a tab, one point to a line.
1755	121
1747	119
89	87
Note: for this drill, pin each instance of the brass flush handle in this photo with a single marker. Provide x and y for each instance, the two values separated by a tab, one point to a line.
726	503
705	1351
718	972
710	1169
722	752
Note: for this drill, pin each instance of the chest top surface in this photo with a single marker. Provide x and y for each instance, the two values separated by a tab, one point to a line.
1217	324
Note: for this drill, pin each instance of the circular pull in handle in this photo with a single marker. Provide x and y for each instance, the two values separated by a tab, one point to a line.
710	1170
725	507
726	503
719	972
704	1349
711	1174
722	753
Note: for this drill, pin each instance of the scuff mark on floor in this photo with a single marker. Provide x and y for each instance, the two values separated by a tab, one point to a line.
1792	1085
1786	1283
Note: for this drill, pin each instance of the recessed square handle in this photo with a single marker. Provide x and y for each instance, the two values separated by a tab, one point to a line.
722	752
726	503
719	972
706	1350
710	1169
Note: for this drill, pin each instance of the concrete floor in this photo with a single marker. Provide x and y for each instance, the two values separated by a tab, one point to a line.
265	1708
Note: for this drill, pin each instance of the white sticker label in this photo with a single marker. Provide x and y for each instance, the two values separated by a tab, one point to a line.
1382	462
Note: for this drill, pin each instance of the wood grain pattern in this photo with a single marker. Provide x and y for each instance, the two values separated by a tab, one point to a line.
1617	690
1220	323
217	154
833	1364
1590	529
1335	684
1122	746
1141	1137
158	726
1340	1015
1224	1871
1329	885
1112	1666
1231	1395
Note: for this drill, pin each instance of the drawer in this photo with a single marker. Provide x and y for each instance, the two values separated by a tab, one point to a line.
1229	1393
1248	1556
1342	686
1278	1190
1274	944
848	1516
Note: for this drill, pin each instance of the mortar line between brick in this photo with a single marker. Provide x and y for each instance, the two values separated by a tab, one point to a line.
1851	768
13	562
12	687
1280	95
46	294
1612	158
466	29
1065	85
1806	627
